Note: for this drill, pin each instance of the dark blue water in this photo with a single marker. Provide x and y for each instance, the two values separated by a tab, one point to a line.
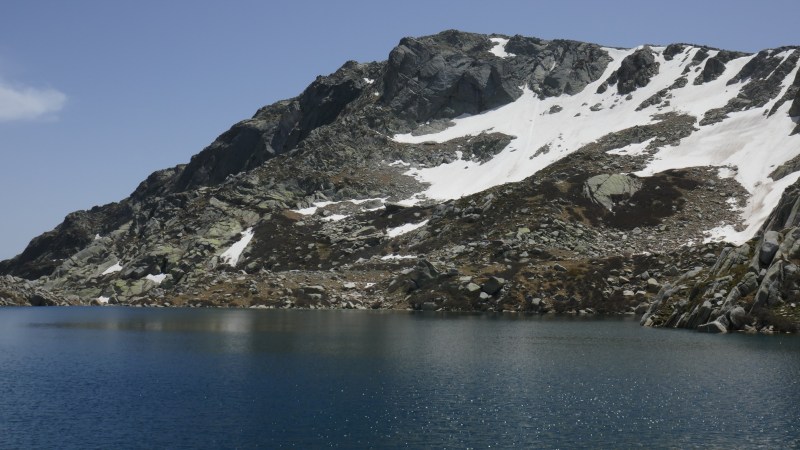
174	378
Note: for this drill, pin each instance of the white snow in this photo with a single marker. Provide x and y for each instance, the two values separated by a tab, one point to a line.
750	143
726	172
231	255
763	200
395	257
733	203
499	48
631	149
406	228
103	300
313	208
115	268
364	200
335	217
747	145
369	80
97	236
157	279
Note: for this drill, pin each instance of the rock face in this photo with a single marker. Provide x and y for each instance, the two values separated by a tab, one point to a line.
605	189
759	282
715	66
559	66
19	292
278	128
635	71
794	111
445	77
764	75
452	73
326	200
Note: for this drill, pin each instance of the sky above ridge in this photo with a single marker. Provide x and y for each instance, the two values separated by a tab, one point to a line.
96	95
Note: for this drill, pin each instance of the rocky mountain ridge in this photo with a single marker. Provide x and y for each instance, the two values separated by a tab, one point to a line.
472	172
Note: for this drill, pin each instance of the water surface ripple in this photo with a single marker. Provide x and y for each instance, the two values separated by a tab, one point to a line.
187	378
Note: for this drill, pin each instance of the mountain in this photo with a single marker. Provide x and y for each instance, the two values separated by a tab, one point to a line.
473	172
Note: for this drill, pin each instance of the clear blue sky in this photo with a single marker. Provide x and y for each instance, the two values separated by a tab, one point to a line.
95	95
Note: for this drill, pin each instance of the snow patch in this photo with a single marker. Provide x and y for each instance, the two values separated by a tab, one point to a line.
313	208
396	257
631	149
364	200
733	204
335	217
115	268
157	279
761	203
499	48
231	255
406	228
369	80
726	172
103	300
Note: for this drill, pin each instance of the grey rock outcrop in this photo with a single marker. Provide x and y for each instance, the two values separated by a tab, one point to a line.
606	189
444	76
759	276
715	66
635	71
278	128
762	78
19	292
559	66
449	74
794	110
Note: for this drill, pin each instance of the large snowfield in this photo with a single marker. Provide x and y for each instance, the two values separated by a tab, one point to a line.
748	145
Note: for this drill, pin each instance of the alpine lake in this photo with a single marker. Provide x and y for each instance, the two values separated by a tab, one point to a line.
114	377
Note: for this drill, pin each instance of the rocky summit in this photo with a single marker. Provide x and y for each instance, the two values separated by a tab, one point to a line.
469	172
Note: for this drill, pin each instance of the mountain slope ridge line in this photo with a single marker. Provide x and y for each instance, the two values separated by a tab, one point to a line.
485	150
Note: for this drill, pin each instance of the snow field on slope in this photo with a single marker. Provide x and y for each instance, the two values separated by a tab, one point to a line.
741	141
754	145
405	228
231	255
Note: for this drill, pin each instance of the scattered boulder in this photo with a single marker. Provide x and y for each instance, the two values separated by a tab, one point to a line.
608	188
769	246
493	285
738	318
416	277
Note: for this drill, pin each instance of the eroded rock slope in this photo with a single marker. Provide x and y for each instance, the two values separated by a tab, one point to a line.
472	172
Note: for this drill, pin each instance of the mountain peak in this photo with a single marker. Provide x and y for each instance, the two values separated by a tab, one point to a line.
494	156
